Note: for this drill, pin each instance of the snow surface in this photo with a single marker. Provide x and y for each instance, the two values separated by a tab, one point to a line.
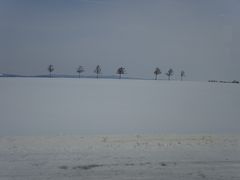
35	106
61	129
120	157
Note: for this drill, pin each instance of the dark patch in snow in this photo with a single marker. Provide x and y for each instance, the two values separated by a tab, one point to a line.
145	163
163	164
87	167
63	167
129	164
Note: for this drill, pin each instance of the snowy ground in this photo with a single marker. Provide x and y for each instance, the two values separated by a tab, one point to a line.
35	106
118	129
120	157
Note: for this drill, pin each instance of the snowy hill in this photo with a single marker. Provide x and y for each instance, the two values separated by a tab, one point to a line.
104	106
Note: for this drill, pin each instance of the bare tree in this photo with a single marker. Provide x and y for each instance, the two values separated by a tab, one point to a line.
157	72
169	73
121	71
80	70
50	69
97	70
182	75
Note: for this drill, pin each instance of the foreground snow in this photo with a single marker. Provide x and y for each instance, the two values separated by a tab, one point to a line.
120	157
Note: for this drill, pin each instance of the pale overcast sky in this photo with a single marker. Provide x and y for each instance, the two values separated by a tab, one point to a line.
201	37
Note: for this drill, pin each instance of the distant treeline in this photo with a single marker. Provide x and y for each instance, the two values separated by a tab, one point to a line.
121	71
215	81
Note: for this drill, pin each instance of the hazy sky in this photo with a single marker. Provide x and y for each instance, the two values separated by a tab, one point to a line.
201	37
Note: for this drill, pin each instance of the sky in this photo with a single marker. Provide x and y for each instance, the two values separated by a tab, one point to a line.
200	37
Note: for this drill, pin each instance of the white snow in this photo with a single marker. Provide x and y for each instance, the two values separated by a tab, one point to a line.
90	106
118	129
120	157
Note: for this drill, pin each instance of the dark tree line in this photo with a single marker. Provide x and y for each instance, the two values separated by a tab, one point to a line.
169	73
121	71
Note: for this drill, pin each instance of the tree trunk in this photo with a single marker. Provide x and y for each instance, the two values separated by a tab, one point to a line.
155	76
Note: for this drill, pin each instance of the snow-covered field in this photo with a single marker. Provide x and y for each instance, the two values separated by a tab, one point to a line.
88	106
120	157
118	129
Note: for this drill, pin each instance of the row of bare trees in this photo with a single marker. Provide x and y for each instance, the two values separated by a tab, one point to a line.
120	72
169	73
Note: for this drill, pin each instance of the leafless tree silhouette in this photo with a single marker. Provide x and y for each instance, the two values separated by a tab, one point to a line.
80	70
121	71
169	73
98	70
182	75
50	69
157	72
